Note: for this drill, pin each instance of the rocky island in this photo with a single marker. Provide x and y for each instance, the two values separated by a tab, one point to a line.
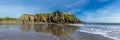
54	17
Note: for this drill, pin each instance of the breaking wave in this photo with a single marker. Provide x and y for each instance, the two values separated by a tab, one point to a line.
110	31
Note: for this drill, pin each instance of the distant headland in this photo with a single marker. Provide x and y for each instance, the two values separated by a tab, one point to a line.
53	17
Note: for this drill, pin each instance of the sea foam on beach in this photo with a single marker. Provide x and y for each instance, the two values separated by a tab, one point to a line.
110	31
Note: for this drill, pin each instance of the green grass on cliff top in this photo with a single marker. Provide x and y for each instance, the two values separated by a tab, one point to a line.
45	15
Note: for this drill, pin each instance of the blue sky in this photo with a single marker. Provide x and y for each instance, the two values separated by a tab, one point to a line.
86	10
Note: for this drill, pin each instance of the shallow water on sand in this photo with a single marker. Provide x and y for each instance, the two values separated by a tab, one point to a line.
110	31
17	31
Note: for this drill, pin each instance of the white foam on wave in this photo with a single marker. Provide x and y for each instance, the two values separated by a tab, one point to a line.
105	30
102	33
77	24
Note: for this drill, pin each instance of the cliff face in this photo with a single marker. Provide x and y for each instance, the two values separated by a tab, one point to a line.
55	17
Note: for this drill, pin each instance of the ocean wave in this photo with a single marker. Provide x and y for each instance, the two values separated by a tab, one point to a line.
105	30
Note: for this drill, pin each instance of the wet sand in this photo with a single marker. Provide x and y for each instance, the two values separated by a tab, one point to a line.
49	36
45	32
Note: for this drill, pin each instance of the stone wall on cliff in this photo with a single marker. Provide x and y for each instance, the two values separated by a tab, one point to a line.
55	17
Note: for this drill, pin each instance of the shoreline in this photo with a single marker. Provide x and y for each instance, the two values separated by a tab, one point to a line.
90	36
41	23
91	33
78	35
61	24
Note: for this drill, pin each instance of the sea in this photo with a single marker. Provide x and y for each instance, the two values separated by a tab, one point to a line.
106	30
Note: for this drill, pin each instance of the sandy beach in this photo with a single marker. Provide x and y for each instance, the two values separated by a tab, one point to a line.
49	36
45	32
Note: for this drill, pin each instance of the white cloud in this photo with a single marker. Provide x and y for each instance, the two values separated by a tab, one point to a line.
78	3
110	13
113	19
16	11
74	10
10	10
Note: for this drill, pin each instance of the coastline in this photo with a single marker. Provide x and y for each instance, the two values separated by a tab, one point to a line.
75	36
79	34
49	36
72	24
90	36
93	33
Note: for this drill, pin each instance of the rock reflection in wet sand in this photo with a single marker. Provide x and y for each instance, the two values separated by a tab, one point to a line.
54	29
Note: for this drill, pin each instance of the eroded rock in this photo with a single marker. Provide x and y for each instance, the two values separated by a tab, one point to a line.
55	17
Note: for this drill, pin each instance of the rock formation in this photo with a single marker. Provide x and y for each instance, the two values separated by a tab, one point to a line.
55	17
